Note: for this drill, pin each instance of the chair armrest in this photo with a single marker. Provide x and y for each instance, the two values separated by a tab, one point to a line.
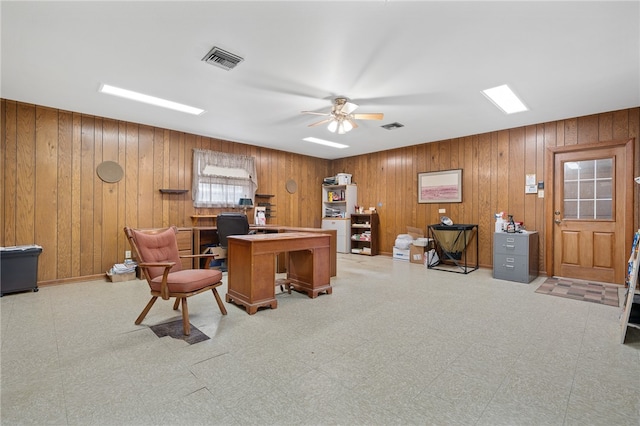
198	256
164	287
157	264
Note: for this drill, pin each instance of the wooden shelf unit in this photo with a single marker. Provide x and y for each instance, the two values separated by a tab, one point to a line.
270	208
196	217
364	233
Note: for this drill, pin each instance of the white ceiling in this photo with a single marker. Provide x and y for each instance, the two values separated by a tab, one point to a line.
422	64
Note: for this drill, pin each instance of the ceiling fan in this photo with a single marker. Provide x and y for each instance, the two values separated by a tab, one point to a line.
341	118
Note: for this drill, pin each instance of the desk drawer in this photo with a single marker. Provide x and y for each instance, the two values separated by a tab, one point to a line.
511	244
185	239
512	268
185	246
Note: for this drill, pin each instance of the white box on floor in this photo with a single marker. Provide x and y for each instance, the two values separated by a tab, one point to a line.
400	254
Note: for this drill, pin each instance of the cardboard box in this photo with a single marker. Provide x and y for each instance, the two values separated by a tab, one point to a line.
415	232
399	254
416	254
220	252
116	278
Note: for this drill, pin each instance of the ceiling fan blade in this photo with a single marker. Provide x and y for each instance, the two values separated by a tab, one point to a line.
370	116
320	122
315	113
353	122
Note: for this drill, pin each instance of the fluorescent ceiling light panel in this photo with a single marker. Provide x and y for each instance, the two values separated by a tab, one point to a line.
324	142
504	98
140	97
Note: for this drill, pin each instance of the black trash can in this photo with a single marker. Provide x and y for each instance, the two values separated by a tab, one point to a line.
19	268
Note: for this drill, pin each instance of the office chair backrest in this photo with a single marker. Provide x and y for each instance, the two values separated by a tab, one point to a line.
231	224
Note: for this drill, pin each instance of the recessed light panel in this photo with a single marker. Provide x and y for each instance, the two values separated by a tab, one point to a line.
140	97
504	98
324	142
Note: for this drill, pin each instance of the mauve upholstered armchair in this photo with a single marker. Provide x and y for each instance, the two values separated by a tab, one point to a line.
158	257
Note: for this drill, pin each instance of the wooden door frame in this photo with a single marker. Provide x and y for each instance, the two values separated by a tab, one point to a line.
628	145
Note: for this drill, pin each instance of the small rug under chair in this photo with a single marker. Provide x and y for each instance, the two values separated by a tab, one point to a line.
606	294
174	329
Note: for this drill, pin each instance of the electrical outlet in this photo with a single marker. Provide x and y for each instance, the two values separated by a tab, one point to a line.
127	254
442	210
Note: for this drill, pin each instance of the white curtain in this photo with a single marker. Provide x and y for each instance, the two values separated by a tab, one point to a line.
221	179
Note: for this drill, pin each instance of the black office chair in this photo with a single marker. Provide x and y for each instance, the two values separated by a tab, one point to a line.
231	224
237	224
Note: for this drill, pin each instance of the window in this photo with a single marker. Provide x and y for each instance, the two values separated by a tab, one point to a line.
588	189
221	179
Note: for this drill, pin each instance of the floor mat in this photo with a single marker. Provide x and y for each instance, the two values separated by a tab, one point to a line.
606	294
174	329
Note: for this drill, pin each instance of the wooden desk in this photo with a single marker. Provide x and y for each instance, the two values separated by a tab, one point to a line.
251	267
212	230
333	241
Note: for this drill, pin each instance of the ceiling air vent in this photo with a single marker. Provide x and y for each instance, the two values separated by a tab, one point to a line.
392	126
221	58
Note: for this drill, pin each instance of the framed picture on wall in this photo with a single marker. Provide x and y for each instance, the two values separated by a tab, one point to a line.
440	187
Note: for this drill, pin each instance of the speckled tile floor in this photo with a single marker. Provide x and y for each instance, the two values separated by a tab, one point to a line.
395	343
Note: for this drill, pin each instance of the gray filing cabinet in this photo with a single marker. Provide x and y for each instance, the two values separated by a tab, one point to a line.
515	256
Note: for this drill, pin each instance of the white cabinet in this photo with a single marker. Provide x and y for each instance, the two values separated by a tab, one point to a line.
338	202
343	229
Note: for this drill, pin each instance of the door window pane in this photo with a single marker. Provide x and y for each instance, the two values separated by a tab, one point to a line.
603	209
570	209
603	168
603	189
588	189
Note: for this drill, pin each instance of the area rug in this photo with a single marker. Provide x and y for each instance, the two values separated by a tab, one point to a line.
607	294
174	329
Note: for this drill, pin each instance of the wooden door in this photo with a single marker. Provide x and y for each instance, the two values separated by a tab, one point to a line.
592	209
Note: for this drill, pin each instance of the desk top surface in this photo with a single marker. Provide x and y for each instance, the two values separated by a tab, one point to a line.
278	236
274	228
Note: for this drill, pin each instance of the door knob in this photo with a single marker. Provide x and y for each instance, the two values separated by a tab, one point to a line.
558	221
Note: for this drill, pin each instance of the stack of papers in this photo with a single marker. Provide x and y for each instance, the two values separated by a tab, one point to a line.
123	268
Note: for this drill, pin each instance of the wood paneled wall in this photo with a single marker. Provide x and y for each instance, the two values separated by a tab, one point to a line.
51	194
494	167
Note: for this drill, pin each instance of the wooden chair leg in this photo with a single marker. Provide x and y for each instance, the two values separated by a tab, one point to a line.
186	327
176	303
146	309
220	304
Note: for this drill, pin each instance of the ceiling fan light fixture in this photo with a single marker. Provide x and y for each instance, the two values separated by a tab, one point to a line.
341	118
